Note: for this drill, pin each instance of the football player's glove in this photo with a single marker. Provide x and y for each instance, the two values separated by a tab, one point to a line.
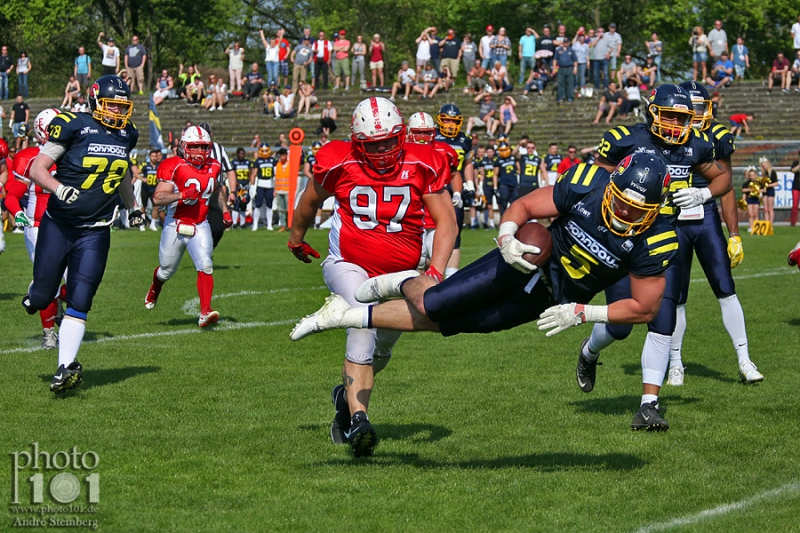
135	218
67	194
457	202
435	274
735	251
21	220
303	251
190	195
512	250
468	196
691	197
560	317
227	219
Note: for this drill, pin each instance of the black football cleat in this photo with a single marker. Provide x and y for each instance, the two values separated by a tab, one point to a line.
647	418
586	371
67	378
341	421
362	436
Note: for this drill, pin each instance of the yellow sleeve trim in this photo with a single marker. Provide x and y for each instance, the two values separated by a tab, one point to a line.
665	248
661	236
615	133
576	176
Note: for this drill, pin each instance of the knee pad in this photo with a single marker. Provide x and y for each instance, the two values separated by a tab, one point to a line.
619	331
165	274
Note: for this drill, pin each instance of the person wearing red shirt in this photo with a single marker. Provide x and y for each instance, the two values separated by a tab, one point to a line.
739	121
4	164
186	183
570	161
284	49
382	186
780	71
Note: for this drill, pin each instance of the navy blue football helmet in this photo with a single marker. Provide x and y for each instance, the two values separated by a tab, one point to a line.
669	114
701	103
109	92
449	120
636	191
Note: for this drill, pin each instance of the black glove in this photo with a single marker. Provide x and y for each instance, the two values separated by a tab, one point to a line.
135	218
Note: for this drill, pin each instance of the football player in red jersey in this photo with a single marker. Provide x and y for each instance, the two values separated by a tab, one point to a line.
185	184
29	219
4	163
381	185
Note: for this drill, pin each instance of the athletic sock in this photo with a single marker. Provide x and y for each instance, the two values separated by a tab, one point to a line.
269	218
48	315
733	318
649	398
598	341
449	271
655	358
70	336
205	286
256	216
676	344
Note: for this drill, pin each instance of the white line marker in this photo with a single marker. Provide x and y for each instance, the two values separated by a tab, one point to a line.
762	274
722	509
192	307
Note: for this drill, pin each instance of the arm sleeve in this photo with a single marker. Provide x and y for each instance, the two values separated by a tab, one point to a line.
657	250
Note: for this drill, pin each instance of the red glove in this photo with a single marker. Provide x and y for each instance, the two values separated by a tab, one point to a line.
227	219
190	194
435	274
302	251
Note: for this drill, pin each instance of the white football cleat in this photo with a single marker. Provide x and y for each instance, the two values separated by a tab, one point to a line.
749	373
329	316
206	320
384	287
49	339
675	376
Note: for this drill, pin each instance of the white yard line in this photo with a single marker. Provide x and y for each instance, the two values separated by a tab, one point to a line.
762	274
192	307
722	509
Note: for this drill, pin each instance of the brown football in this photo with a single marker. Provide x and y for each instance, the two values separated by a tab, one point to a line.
537	235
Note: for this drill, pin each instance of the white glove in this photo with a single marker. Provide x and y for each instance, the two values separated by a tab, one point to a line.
67	194
458	203
691	197
469	185
560	317
512	250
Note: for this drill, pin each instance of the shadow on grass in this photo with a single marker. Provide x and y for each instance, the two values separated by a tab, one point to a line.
542	462
692	369
97	335
414	432
791	321
627	404
10	296
106	376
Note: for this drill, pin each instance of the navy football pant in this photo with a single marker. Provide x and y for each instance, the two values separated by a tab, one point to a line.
485	296
83	250
707	240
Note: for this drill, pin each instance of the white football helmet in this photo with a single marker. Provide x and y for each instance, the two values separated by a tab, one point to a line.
421	128
196	145
41	122
375	121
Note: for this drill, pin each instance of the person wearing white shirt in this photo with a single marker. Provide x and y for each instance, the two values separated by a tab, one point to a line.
110	55
796	33
285	104
485	47
423	51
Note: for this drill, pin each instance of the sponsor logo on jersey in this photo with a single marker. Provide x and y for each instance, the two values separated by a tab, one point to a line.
678	172
578	208
87	130
689	151
107	149
627	245
643	150
589	244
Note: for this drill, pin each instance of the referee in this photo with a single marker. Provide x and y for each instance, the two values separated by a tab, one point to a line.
215	208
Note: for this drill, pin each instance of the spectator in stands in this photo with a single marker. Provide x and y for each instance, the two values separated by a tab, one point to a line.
570	161
254	83
655	49
186	78
305	97
581	49
796	71
475	78
301	58
716	101
446	79
526	51
165	87
135	60
406	80
632	98
780	71
423	51
327	119
82	69
20	115
217	94
110	55
80	106
700	47
322	52
537	79
741	58
428	82
23	70
269	97
739	121
72	90
2	120
272	58
795	168
615	47
627	69
6	66
341	62
501	47
284	49
435	60
194	92
648	74
235	55
469	53
284	107
546	47
486	115
718	41
498	78
610	101
508	115
485	48
359	51
450	53
567	63
722	73
602	53
123	75
376	60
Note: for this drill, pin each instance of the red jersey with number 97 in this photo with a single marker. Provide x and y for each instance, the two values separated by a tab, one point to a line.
377	219
183	175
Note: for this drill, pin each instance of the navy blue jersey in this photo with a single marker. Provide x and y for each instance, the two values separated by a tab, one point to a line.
149	173
265	172
507	171
461	143
619	142
310	158
551	162
95	162
586	256
529	165
242	169
487	164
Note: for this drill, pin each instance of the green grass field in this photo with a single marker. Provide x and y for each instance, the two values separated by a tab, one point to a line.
227	429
